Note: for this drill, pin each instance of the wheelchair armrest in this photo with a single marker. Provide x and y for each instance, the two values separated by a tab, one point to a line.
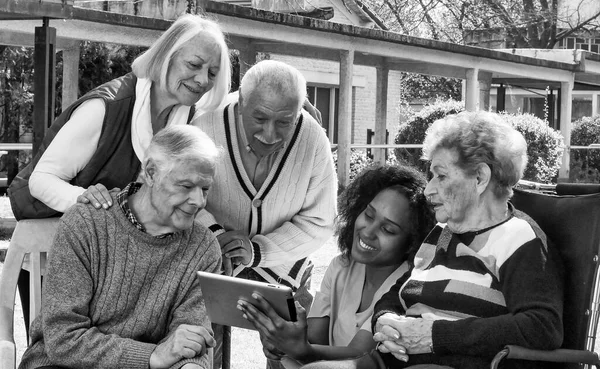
559	356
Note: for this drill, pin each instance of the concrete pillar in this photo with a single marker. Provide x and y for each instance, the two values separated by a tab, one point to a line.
485	84
44	81
472	90
345	116
381	112
70	86
566	103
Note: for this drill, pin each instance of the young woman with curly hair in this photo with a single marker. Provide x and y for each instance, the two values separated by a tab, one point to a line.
383	218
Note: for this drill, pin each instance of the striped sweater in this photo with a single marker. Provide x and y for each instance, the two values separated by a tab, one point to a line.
292	214
484	290
113	292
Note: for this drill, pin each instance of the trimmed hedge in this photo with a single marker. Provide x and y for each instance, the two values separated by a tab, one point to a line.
544	144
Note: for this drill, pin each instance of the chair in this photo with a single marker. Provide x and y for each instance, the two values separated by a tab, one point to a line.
571	219
32	238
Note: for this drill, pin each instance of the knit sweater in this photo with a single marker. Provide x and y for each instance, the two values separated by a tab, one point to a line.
292	213
483	290
113	292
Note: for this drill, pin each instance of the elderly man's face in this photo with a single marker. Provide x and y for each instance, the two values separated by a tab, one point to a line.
269	119
178	194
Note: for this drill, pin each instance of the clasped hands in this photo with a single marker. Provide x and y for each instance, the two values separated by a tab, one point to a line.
185	342
401	335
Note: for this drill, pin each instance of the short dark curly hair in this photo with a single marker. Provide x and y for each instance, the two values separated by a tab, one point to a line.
363	189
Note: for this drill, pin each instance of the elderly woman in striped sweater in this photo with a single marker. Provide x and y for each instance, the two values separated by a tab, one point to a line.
484	277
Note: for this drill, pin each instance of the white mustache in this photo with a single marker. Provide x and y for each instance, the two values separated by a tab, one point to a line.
265	140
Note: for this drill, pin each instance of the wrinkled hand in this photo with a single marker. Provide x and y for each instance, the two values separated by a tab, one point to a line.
98	195
313	111
278	335
403	335
186	341
236	248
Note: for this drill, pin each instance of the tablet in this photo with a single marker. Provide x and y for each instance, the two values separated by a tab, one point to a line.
221	294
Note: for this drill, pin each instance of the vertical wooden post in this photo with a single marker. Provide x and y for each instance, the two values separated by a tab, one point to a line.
472	90
345	116
381	111
44	81
566	103
485	85
70	85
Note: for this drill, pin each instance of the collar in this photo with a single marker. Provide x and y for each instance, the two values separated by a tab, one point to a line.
123	201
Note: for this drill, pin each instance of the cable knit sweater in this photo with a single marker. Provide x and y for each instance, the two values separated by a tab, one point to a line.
292	214
113	292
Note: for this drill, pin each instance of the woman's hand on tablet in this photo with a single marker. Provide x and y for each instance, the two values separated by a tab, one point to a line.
186	341
279	334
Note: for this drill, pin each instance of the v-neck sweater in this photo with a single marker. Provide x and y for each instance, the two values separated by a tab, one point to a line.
340	295
292	214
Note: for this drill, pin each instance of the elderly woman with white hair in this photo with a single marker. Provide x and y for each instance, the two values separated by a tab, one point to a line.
484	277
98	143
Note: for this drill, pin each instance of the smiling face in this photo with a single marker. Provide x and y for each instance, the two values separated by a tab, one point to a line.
382	230
269	119
180	193
193	69
451	191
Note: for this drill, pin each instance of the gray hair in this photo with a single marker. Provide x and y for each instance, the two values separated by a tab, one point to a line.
277	78
154	63
481	137
177	143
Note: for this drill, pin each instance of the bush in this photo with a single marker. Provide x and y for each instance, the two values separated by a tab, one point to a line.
413	130
358	161
544	144
544	147
585	164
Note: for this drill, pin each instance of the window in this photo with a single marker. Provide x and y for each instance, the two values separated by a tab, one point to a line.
327	100
582	107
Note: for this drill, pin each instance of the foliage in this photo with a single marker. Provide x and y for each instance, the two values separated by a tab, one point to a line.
98	63
413	130
585	164
16	100
431	88
544	144
523	23
544	147
358	161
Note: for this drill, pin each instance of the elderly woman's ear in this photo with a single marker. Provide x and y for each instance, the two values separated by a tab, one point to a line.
483	176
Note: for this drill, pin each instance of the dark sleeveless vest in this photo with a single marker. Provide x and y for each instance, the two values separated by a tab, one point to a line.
114	164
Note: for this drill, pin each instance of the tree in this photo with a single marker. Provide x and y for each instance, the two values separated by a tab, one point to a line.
524	23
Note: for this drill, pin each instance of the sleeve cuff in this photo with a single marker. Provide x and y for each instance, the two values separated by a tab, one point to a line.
256	257
216	229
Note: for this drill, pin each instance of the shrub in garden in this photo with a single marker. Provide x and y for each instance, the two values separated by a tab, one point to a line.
413	130
544	144
585	164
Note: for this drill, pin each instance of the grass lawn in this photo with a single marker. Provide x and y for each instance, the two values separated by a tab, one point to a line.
246	348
